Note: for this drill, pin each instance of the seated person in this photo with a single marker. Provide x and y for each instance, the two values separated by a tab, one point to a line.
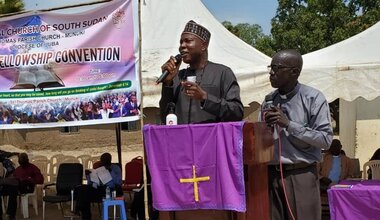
93	192
27	174
375	156
335	166
7	163
6	154
22	180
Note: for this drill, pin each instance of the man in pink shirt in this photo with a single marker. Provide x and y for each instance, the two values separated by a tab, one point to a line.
28	174
23	180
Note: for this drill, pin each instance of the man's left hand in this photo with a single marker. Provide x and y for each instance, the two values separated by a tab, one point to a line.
276	116
194	91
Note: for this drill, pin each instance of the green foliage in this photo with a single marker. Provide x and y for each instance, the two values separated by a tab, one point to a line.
252	34
265	45
309	25
10	6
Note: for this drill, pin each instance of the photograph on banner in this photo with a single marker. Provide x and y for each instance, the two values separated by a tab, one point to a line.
70	69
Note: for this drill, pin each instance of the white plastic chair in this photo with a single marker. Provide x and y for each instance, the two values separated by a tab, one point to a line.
55	160
25	205
42	164
70	159
85	160
38	157
374	165
93	160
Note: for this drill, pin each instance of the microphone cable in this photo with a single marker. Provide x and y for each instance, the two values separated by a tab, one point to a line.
276	136
277	132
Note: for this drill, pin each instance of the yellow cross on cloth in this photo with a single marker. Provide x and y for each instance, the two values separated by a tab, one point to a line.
195	181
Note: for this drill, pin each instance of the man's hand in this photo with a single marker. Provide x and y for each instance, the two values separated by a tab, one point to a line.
172	66
276	116
134	111
194	91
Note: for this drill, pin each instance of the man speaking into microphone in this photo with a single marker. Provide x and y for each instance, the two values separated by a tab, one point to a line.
214	96
301	120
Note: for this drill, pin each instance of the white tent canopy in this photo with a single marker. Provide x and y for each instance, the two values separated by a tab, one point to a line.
348	69
162	24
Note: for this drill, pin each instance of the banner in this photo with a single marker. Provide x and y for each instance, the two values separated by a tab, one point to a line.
196	166
70	69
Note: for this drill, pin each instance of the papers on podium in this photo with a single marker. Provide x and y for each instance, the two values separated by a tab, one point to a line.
342	186
100	175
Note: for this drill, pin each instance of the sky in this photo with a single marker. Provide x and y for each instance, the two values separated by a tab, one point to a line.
244	11
236	11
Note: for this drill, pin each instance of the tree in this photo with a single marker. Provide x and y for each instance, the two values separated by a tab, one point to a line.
265	45
368	12
309	25
249	33
252	34
10	6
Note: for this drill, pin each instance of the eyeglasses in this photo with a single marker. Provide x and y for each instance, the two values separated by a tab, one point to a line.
275	67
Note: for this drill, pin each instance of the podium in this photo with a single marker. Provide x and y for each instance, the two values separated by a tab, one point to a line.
257	152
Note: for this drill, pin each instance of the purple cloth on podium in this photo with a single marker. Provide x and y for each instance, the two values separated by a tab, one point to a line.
215	150
361	201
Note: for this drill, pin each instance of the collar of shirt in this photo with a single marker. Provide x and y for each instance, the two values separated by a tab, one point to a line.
291	93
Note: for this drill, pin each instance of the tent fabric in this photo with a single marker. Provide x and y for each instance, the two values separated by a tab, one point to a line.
348	69
162	24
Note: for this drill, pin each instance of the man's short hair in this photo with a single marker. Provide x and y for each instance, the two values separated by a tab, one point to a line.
336	142
106	159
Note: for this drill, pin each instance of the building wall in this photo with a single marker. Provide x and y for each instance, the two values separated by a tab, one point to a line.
368	139
367	128
53	139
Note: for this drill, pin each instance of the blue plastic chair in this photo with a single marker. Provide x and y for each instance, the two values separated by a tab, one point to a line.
112	202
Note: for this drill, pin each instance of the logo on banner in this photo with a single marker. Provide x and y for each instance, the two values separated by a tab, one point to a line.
118	18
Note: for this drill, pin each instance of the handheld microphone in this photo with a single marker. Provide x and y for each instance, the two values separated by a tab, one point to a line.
268	102
164	74
267	105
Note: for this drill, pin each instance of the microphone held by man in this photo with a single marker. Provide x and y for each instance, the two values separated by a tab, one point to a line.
273	115
170	69
266	106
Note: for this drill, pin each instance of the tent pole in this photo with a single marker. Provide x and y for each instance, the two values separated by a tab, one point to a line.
118	143
141	113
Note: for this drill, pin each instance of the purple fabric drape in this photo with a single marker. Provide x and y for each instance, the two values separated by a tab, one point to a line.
362	201
212	153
